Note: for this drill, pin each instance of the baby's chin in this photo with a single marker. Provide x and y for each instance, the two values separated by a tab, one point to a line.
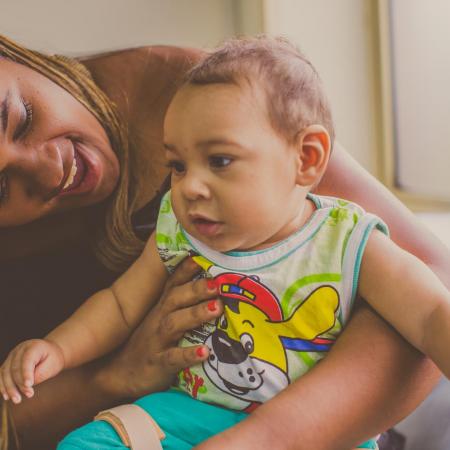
224	243
219	243
226	247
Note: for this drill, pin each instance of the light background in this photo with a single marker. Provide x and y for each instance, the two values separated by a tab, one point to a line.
339	36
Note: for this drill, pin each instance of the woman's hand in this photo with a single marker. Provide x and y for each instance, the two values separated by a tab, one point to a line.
147	362
150	358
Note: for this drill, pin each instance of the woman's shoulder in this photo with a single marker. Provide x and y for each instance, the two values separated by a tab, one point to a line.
172	52
129	68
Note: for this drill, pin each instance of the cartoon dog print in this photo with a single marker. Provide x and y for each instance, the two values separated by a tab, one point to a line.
248	347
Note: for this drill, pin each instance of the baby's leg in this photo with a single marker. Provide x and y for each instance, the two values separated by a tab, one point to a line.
372	444
185	421
93	436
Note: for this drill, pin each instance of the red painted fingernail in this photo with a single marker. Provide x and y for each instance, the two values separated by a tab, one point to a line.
200	352
211	284
212	305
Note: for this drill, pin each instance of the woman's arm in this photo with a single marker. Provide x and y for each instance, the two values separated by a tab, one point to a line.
372	378
368	382
146	363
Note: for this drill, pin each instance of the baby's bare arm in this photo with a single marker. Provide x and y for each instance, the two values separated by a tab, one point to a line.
410	297
100	325
107	318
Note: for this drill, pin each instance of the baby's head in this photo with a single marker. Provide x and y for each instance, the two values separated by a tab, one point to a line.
247	136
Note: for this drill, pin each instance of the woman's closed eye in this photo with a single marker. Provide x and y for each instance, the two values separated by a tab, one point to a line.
219	162
25	121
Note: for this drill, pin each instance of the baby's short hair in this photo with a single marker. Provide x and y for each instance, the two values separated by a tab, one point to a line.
294	92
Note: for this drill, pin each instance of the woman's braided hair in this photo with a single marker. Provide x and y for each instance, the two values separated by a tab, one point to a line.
6	429
115	243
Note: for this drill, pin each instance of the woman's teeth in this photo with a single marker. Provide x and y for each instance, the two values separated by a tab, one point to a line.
72	174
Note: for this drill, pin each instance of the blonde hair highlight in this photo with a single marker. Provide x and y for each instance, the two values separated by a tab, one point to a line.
116	244
7	442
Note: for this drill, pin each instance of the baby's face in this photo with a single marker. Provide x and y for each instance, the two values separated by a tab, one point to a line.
233	176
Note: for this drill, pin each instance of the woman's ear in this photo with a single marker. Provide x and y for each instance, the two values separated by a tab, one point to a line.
313	147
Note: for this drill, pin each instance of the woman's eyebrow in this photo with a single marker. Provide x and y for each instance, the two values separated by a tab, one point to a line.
4	112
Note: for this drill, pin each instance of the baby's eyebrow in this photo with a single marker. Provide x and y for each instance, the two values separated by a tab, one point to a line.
169	147
219	141
205	144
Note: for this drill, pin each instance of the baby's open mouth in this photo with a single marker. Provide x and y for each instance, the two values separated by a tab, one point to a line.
206	227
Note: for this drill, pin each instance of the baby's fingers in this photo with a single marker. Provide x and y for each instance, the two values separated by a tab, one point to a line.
10	389
22	369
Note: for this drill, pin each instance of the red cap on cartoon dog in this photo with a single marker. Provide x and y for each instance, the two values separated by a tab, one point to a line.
249	289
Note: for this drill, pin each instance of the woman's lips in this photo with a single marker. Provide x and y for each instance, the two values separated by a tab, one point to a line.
84	174
75	175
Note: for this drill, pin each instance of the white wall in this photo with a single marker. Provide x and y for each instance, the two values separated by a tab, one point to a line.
421	68
89	26
339	39
336	35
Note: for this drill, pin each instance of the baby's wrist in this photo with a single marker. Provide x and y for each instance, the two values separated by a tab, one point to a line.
59	350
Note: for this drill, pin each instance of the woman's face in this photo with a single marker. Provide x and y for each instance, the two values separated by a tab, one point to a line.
54	154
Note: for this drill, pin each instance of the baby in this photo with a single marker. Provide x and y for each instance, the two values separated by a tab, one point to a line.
247	137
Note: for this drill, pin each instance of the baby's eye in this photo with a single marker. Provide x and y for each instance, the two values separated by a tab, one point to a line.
176	167
219	161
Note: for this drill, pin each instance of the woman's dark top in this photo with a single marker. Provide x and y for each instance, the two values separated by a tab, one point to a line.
39	292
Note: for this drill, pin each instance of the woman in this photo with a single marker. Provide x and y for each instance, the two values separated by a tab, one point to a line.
63	169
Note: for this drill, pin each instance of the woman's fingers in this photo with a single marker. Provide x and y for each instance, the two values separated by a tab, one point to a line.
178	358
184	305
184	272
187	294
173	325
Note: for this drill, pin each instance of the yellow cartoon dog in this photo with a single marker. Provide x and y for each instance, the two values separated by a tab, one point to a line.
248	348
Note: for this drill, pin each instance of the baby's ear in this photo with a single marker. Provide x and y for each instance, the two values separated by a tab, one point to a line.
313	146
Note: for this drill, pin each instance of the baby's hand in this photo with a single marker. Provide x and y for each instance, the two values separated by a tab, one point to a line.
30	363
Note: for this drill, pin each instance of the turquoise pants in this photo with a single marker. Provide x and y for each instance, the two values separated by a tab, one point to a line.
185	421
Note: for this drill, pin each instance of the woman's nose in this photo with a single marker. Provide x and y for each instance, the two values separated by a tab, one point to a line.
39	167
194	186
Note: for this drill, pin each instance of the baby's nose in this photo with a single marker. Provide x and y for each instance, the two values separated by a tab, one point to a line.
194	187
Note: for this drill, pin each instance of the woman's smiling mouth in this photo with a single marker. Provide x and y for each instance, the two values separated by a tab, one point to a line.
76	173
84	173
